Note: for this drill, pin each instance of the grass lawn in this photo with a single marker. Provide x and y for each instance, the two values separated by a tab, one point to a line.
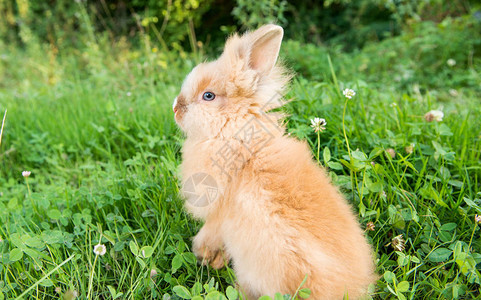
95	127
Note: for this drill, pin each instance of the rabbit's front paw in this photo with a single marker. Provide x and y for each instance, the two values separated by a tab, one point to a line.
209	253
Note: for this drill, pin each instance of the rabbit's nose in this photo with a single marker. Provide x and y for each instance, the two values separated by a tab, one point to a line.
174	106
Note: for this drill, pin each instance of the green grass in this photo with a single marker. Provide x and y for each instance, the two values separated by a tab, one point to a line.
96	129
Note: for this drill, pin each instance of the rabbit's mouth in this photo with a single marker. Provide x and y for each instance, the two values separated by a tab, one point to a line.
178	107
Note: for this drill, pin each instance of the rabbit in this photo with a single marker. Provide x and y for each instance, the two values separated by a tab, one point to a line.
267	206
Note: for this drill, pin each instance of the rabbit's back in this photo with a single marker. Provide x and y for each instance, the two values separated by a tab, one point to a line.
286	220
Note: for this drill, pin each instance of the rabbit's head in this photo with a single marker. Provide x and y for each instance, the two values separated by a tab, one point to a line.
217	97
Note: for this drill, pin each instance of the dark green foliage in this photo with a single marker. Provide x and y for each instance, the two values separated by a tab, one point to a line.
181	23
420	58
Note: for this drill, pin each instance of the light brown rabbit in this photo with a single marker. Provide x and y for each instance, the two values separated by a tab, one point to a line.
266	204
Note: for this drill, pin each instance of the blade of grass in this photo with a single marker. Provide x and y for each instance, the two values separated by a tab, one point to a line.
45	277
3	124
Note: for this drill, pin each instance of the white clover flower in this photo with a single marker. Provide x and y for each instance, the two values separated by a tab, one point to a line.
348	93
129	94
477	219
398	243
409	149
453	92
318	124
451	62
391	152
100	249
370	226
394	104
434	115
26	173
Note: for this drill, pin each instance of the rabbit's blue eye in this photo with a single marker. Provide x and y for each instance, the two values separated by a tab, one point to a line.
208	96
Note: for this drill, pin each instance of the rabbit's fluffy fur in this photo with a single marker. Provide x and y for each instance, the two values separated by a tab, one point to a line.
276	215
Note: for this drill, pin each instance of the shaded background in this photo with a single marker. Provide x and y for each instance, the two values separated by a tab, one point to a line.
430	32
177	23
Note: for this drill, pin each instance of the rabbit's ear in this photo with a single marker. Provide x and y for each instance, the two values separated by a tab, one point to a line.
264	49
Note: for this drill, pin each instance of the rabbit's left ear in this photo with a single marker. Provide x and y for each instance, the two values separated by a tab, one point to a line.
264	49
